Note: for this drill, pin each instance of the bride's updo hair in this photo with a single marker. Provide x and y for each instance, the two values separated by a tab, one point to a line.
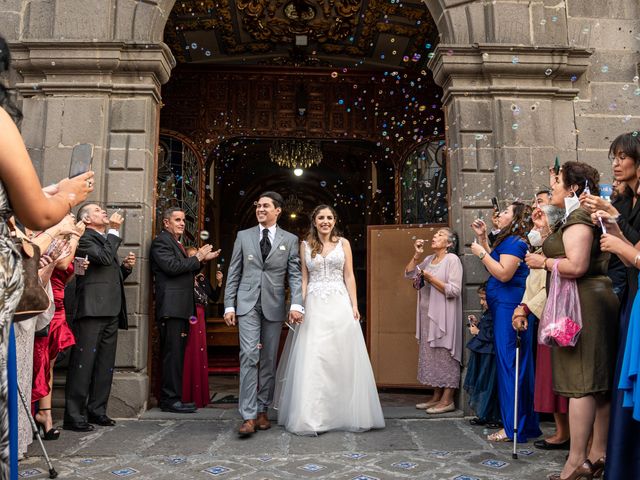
313	239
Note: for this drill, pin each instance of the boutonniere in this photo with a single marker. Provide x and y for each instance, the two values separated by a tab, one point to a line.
282	247
249	257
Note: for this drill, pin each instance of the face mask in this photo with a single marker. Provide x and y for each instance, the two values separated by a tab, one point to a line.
535	238
570	204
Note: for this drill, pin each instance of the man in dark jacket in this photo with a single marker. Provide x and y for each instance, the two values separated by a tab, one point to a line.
100	309
174	274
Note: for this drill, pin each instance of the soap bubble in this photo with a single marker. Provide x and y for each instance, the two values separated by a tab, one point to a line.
334	74
204	235
516	168
604	69
193	320
514	126
548	72
194	45
323	183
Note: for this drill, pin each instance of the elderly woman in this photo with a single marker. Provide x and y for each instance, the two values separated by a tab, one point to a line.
439	318
583	373
545	220
505	289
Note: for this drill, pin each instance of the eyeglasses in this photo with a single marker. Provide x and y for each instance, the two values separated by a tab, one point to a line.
618	158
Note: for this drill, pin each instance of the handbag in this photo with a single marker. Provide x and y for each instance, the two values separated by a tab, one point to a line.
561	321
34	299
418	281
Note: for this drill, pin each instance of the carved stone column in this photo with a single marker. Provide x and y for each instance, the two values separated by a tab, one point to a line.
106	94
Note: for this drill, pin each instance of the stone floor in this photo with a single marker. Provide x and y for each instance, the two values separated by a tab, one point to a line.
205	445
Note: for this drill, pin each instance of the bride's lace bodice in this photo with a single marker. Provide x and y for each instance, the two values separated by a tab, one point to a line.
326	273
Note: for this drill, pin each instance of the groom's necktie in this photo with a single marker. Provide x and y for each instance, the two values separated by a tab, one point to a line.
265	244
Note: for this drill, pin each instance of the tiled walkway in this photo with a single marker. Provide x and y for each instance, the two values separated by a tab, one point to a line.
205	446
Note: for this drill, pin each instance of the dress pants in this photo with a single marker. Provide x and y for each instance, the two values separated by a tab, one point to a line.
90	371
259	341
173	342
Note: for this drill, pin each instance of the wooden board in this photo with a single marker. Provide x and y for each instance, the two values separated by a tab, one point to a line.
391	303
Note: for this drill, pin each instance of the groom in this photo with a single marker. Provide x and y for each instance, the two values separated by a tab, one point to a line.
254	298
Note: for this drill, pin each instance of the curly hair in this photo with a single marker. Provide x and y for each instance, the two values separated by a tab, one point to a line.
6	100
580	174
520	224
313	238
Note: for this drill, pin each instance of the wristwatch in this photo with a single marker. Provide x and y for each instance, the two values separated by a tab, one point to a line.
481	256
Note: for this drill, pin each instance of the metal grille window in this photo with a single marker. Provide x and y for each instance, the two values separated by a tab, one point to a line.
424	185
180	176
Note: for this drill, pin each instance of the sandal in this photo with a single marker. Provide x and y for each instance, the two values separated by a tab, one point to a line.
52	434
500	436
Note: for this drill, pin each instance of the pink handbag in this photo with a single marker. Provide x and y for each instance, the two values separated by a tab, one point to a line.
561	321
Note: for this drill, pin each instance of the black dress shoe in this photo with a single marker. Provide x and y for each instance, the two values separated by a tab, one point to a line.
178	407
189	404
79	427
544	445
102	420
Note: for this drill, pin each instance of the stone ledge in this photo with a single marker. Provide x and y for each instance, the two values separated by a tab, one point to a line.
490	69
95	66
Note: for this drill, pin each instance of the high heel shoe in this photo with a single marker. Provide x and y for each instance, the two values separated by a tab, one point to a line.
583	472
598	467
52	434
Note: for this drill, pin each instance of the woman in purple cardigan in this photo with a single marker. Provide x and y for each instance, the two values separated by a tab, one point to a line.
439	318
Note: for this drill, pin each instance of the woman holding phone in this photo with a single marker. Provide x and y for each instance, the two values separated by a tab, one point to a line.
505	288
21	194
58	336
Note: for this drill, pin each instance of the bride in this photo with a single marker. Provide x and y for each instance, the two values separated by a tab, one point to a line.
325	381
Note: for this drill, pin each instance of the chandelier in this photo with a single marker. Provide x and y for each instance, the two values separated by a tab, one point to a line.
293	205
295	153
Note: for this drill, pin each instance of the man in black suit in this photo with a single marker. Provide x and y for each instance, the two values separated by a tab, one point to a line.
100	310
174	274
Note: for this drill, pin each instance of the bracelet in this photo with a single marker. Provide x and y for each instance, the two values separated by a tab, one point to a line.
525	308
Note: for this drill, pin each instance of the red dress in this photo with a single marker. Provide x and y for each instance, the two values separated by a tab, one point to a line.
46	349
195	373
545	400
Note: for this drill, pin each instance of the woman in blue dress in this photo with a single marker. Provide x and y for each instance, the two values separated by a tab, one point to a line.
505	288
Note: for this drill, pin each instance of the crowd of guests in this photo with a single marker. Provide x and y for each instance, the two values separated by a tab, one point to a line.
79	269
590	388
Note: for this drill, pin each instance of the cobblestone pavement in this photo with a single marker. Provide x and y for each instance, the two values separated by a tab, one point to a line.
205	446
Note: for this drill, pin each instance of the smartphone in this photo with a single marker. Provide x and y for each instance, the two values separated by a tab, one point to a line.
81	158
470	320
604	229
78	265
494	202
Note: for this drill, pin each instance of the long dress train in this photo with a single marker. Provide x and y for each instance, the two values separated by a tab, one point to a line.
324	380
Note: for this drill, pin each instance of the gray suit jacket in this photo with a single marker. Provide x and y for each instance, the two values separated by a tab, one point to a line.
249	278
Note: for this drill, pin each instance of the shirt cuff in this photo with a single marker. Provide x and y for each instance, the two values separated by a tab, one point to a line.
229	310
297	308
113	231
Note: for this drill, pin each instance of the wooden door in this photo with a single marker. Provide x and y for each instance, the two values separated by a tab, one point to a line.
391	303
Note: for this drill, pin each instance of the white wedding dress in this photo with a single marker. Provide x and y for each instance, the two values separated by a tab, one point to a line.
324	379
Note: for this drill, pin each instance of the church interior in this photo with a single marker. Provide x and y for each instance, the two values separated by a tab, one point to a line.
322	101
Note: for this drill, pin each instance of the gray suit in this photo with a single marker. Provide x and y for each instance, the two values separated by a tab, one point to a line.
256	290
